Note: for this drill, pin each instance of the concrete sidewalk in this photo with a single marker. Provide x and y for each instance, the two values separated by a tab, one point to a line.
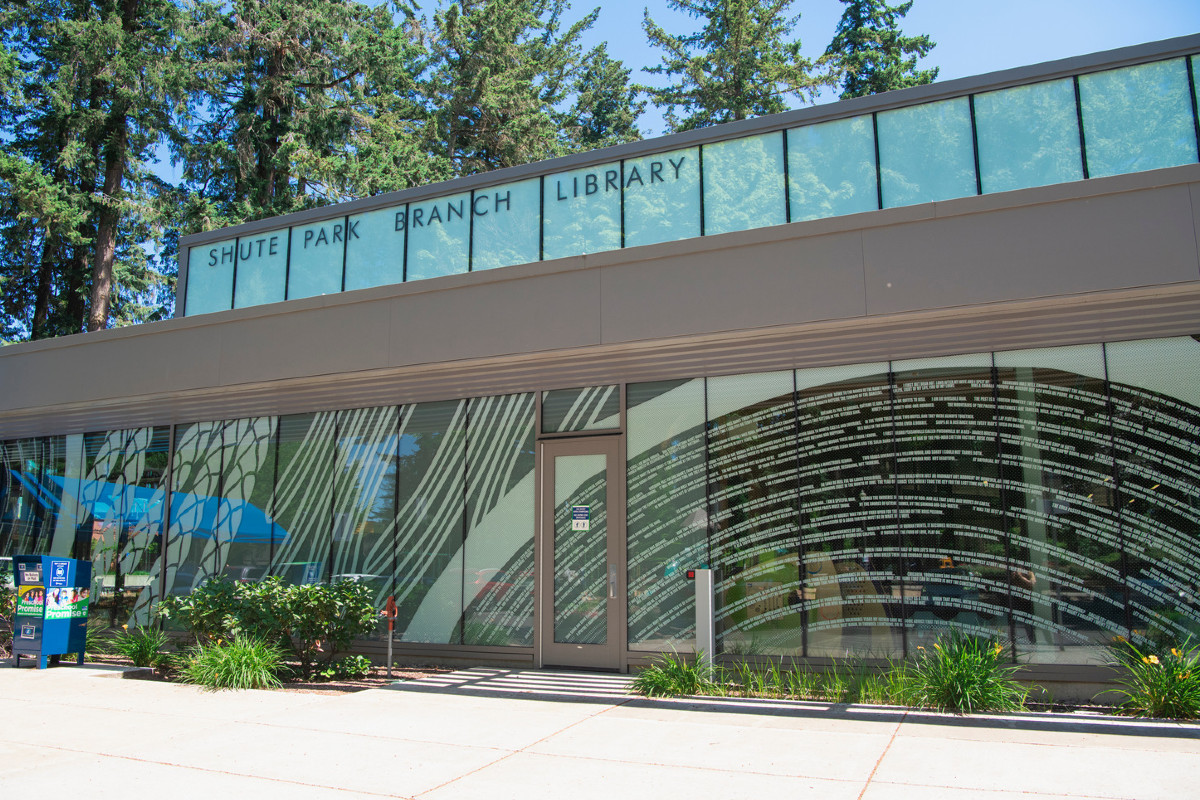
491	733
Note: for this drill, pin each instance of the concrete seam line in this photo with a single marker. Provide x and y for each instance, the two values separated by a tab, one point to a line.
512	753
217	771
879	761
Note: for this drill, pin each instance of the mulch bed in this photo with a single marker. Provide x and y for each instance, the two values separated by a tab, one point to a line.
376	679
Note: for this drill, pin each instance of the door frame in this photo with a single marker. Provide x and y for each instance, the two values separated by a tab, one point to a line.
614	654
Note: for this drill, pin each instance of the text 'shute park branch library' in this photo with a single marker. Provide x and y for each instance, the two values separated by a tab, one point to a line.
896	366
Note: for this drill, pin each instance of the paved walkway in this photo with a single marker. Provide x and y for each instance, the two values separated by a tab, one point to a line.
497	734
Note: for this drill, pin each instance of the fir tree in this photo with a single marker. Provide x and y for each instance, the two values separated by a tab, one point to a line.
872	54
606	106
741	64
502	69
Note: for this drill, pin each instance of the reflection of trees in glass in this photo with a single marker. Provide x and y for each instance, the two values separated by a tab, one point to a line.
582	222
831	169
1137	118
508	233
439	244
666	209
925	153
743	184
1028	136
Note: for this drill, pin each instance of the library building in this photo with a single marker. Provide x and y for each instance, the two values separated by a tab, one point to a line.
892	367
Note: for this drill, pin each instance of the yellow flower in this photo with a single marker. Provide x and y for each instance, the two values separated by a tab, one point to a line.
1149	659
937	646
1174	652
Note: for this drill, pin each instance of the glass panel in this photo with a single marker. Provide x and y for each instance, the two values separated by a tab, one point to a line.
662	197
375	252
752	492
743	184
831	169
304	497
1156	416
121	503
506	223
246	531
949	515
210	277
1137	118
439	237
429	541
580	549
39	487
261	269
498	581
581	211
667	526
317	252
852	597
1028	136
1056	479
588	409
364	502
195	489
925	153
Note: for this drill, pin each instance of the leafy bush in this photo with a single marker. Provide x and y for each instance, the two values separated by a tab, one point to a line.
963	674
674	676
142	646
316	620
221	608
1163	684
244	663
326	618
350	667
8	608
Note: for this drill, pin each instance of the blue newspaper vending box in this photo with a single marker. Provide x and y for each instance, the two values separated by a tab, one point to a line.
52	607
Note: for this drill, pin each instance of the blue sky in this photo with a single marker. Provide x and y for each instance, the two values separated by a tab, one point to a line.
973	36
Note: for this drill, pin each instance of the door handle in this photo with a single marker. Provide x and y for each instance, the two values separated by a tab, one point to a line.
612	581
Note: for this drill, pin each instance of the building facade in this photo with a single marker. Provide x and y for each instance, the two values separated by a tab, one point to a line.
895	366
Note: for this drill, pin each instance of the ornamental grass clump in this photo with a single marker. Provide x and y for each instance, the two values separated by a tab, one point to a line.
674	676
142	646
246	662
962	674
1164	685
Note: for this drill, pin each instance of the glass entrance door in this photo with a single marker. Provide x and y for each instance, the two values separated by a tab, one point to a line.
581	546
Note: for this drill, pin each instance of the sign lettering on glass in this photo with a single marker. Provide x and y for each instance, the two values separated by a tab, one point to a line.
581	518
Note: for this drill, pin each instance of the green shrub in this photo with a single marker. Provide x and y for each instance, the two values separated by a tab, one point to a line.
960	673
142	646
349	667
674	676
243	663
317	621
8	608
322	618
221	608
1165	684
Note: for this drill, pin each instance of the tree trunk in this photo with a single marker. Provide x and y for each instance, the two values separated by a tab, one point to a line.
106	228
45	287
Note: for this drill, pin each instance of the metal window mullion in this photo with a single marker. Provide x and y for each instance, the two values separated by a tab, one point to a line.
1079	121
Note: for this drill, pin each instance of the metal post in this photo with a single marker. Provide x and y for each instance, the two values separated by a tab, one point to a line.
390	613
706	628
